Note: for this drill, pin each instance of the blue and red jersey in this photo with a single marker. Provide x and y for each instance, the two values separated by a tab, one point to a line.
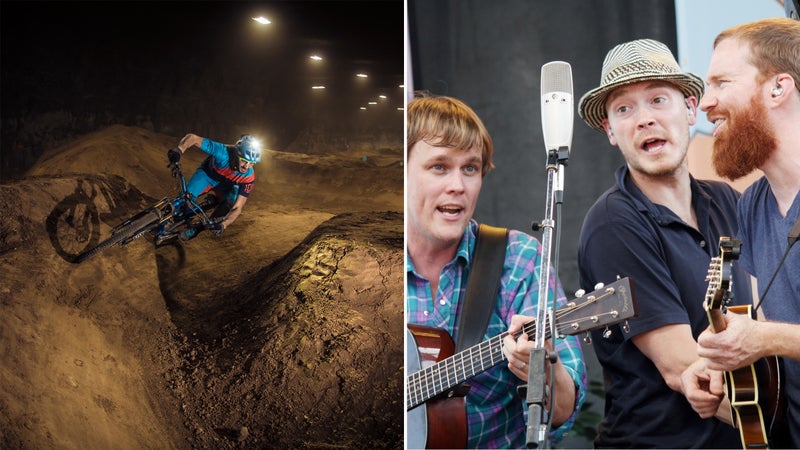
221	171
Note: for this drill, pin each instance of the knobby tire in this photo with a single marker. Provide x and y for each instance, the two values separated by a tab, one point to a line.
138	226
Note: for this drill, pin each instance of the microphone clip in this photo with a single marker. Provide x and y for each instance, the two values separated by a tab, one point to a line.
558	156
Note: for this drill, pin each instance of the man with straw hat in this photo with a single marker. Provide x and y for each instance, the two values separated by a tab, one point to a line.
661	227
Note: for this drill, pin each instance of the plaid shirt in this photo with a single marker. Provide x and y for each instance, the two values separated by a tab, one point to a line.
496	413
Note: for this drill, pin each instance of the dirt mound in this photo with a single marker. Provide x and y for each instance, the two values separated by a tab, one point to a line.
135	154
338	181
306	352
284	332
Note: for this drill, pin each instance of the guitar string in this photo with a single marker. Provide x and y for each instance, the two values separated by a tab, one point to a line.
423	384
746	375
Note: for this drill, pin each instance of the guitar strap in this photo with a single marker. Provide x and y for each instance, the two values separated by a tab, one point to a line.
794	233
792	237
482	285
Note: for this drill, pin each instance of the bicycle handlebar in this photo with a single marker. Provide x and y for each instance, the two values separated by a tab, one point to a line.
188	197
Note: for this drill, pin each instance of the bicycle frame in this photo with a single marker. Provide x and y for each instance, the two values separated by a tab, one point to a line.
182	208
172	211
164	220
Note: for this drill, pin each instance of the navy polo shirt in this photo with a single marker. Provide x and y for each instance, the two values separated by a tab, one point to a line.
625	234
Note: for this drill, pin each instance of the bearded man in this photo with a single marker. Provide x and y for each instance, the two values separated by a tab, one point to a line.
753	99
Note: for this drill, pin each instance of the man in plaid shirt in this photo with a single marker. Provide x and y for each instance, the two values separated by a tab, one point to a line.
449	153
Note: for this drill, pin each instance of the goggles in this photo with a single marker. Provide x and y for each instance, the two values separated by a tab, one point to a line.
246	162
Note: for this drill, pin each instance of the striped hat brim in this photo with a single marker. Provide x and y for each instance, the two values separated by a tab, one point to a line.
592	106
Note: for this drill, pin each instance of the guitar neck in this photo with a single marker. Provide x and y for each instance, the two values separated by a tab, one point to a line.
717	294
606	305
462	366
716	320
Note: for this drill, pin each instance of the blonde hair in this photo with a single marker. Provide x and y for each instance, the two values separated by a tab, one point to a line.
448	122
774	46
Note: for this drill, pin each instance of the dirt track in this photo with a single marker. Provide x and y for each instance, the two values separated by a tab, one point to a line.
286	331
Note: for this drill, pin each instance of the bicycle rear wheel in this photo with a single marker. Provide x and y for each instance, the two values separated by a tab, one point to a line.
123	235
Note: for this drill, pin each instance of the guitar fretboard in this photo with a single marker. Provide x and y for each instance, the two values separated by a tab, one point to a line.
454	370
604	306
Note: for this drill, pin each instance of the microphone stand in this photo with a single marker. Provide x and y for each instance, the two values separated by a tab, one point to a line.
540	387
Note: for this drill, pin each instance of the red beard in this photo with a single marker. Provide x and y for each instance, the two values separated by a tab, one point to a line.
746	143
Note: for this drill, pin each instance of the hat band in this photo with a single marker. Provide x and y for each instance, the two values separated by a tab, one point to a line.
638	69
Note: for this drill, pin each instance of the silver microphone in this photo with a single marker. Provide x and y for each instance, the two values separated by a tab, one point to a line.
557	105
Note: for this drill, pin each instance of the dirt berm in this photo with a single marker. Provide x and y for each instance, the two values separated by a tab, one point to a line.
284	332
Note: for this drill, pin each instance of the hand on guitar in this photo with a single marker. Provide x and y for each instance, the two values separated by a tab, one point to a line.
704	388
737	346
517	352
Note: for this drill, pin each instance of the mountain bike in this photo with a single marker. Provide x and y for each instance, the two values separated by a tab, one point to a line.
164	221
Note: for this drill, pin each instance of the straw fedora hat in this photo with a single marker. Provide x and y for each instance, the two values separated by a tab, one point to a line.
632	62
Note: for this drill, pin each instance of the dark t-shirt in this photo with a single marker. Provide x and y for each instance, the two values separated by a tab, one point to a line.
625	234
764	242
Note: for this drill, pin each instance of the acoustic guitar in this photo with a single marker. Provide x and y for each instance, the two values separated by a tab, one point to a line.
755	391
436	415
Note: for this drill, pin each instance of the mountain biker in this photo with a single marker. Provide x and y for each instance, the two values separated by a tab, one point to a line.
227	173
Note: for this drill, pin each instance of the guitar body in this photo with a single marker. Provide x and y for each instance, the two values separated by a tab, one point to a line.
441	422
435	389
757	403
755	391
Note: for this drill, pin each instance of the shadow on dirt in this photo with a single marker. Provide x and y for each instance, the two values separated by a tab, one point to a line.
73	225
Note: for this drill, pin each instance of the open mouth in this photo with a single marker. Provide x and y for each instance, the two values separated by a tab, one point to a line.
451	211
653	145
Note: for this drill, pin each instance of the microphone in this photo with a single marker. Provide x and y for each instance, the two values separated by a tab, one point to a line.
557	104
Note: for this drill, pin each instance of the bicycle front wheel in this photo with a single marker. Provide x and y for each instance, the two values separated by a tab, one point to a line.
125	234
